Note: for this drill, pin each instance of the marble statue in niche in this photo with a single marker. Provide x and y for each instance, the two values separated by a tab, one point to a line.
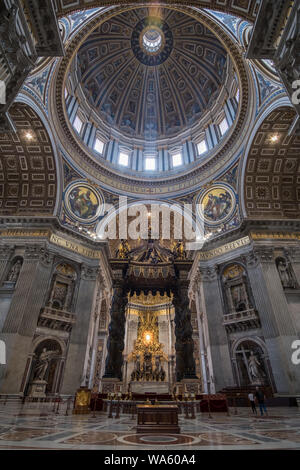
43	363
251	365
286	274
14	273
254	368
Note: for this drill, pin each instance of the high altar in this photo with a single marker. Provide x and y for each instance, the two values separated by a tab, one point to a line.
149	344
150	347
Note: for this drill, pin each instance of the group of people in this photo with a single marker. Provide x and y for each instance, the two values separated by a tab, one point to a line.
258	397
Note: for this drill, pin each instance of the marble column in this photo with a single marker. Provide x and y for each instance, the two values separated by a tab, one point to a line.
202	347
94	341
184	346
22	317
79	339
115	343
218	340
276	322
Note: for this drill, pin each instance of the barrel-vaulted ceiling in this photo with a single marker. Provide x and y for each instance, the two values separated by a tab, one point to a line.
272	176
28	177
151	95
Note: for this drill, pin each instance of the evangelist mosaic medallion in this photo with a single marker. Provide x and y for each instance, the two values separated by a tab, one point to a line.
83	202
216	204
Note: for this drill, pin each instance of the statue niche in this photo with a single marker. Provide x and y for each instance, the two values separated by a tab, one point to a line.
62	288
252	365
286	273
14	272
44	376
236	289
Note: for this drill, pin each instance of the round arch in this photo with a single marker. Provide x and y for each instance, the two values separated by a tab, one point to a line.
248	11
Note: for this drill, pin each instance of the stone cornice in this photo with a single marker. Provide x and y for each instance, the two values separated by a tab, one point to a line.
46	234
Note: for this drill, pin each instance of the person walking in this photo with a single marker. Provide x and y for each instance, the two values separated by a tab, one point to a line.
252	402
260	396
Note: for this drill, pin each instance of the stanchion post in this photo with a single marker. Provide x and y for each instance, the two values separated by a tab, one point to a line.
186	412
235	407
208	399
58	404
68	406
94	407
110	409
227	406
118	410
193	411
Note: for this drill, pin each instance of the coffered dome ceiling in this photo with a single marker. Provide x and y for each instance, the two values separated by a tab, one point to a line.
151	74
153	83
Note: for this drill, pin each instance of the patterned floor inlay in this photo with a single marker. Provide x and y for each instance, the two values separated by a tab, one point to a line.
40	428
22	434
282	435
224	439
158	440
92	438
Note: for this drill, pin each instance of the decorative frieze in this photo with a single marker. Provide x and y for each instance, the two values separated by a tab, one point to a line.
264	254
46	257
6	252
32	252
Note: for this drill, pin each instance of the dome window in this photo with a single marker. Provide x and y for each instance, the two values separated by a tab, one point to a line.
202	147
99	146
123	159
223	126
177	159
150	163
77	124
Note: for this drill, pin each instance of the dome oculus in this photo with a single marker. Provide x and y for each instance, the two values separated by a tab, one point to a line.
152	39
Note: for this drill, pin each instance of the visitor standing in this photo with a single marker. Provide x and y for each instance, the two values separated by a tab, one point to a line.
251	398
260	396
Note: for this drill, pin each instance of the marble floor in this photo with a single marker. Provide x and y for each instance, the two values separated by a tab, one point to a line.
36	426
